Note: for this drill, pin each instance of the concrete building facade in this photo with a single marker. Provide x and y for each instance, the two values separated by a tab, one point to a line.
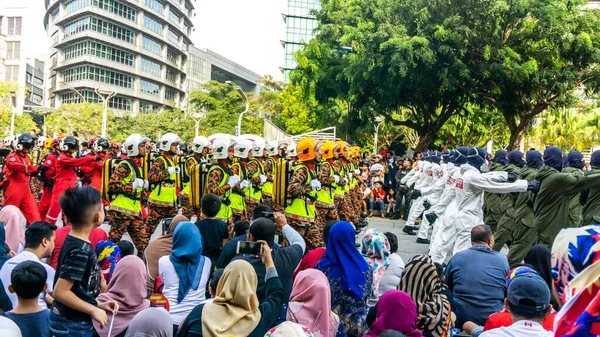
136	48
300	24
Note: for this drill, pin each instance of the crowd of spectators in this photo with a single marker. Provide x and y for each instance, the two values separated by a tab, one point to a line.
206	289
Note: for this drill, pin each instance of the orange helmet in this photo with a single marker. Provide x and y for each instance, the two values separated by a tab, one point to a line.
341	150
354	152
306	149
327	149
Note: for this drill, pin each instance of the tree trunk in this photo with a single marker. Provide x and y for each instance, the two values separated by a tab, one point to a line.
425	140
517	131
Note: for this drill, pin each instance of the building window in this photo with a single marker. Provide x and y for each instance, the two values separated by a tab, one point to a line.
99	75
151	45
101	26
150	67
75	5
153	25
98	50
37	99
54	15
38	82
172	56
77	26
12	73
156	6
172	76
116	7
117	102
170	95
13	50
148	108
14	26
28	78
174	18
149	88
173	37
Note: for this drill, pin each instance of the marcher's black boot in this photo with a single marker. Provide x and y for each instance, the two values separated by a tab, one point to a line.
423	241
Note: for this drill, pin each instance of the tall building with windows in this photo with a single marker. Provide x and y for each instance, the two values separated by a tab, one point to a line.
300	24
18	61
136	48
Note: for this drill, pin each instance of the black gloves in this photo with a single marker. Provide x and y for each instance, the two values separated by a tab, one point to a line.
512	177
427	204
98	158
415	194
4	152
533	186
431	217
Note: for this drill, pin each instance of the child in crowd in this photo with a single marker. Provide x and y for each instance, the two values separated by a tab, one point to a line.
28	280
126	248
390	199
213	231
78	278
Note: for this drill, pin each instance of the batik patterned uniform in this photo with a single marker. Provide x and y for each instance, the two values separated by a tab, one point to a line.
125	212
301	213
238	204
218	175
340	204
162	202
186	209
325	203
253	195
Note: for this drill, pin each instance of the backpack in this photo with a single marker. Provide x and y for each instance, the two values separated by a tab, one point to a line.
183	178
199	183
281	180
107	170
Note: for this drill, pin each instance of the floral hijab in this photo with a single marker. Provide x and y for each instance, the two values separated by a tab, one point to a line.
376	251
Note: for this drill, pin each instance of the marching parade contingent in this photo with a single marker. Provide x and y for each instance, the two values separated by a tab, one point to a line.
275	238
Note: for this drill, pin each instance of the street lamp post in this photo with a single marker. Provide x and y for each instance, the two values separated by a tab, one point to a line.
109	94
83	100
379	121
197	117
13	95
239	90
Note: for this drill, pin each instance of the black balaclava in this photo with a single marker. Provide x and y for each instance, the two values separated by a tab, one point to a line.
553	157
501	157
595	160
461	155
534	159
477	157
575	159
515	157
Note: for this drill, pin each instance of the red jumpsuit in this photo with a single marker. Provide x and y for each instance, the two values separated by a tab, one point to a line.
94	170
19	169
66	177
44	204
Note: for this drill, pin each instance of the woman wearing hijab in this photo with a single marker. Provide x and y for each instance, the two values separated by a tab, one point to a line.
396	311
350	278
576	270
127	288
235	310
5	303
185	272
14	223
289	329
387	267
539	257
159	248
152	322
420	280
310	305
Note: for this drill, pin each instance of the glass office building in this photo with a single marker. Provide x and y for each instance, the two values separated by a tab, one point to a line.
300	25
137	48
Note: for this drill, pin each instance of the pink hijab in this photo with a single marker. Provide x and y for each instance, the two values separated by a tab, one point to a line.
14	224
310	303
128	288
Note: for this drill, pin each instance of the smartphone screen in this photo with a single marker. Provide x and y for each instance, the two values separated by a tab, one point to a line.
249	247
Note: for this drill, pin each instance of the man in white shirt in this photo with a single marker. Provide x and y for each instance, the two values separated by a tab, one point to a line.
529	303
39	243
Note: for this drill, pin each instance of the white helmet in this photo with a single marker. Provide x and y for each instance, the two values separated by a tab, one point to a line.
41	141
242	147
291	149
199	143
132	143
220	147
259	148
167	140
8	141
271	148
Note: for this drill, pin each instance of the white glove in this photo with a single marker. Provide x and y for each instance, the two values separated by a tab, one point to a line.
172	170
146	184
233	180
138	183
346	180
263	178
245	184
315	185
336	179
357	172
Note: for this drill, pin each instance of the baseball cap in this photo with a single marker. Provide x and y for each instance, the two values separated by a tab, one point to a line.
529	291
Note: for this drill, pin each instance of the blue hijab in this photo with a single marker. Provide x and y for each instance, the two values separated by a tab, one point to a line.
343	261
187	258
3	253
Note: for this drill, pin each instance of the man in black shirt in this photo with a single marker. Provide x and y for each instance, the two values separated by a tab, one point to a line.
403	192
78	278
286	259
213	231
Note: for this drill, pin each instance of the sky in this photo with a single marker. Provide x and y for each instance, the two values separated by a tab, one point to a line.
247	32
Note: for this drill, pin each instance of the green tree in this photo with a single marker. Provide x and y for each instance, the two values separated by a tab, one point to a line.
85	118
529	55
475	126
23	123
568	129
380	56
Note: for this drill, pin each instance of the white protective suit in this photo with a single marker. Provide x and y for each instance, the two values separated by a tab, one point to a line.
469	207
428	187
441	203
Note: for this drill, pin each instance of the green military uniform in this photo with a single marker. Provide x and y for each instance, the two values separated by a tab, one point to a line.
591	202
575	207
524	236
551	203
506	225
491	203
